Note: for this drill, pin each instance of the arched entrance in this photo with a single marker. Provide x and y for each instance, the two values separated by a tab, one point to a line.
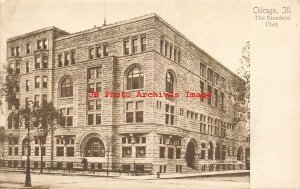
94	148
190	155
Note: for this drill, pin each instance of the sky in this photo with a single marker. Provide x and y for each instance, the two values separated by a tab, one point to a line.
205	23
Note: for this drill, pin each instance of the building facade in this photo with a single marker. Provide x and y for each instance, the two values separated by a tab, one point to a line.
85	73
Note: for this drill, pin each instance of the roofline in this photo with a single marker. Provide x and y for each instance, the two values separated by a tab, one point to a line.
36	32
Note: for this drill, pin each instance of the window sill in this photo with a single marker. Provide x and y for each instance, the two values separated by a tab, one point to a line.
64	98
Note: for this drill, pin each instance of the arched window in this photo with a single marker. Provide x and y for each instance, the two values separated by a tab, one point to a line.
25	147
169	82
67	88
210	151
135	79
94	148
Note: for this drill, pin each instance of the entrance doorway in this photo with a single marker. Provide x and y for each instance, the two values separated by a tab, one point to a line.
190	155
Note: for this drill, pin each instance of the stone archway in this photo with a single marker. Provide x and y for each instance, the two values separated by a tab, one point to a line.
190	155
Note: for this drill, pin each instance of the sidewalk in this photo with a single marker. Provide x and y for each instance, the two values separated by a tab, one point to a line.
186	175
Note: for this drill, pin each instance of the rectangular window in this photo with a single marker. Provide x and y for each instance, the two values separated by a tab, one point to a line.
91	53
27	66
170	114
126	46
124	140
91	87
171	153
139	111
134	114
166	48
171	51
134	45
73	57
91	105
216	79
99	72
44	97
126	151
98	119
16	151
59	151
36	151
28	48
216	94
37	82
202	70
161	46
45	81
10	151
45	43
90	119
179	57
98	86
209	90
60	60
37	99
202	90
70	151
129	112
45	61
43	151
210	75
222	100
67	59
18	67
69	116
27	85
18	51
140	152
143	140
143	44
105	53
162	151
12	50
98	52
175	54
178	153
98	104
39	44
38	62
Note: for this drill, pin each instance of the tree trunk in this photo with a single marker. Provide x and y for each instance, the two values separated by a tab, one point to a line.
41	146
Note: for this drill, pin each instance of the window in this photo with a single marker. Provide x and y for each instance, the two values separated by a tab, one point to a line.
27	85
45	81
67	88
202	90
98	52
17	67
95	72
25	147
17	51
59	151
60	60
171	51
222	101
37	81
143	43
166	48
216	79
67	59
94	118
216	98
37	62
202	155
45	61
94	148
45	43
37	99
169	82
170	116
178	153
210	75
18	86
181	111
171	153
135	79
73	57
179	57
12	50
209	89
44	97
66	116
91	53
134	112
39	44
70	151
36	151
161	46
162	151
126	151
202	70
105	53
28	48
134	45
27	66
140	152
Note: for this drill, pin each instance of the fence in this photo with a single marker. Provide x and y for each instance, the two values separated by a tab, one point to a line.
83	167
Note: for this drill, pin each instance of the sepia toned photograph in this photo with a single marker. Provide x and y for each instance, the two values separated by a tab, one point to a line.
128	94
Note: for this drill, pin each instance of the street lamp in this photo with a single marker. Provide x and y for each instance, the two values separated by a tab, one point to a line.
28	176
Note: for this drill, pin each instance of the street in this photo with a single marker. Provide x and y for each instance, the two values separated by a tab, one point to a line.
16	180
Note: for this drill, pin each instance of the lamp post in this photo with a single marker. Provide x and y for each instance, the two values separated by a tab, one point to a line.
28	174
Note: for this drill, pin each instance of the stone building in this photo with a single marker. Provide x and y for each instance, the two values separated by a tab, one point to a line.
85	73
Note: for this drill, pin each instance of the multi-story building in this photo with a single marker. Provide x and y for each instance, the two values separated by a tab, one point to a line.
142	55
